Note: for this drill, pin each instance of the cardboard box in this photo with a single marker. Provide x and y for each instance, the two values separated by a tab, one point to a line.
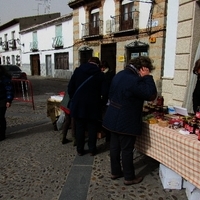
184	183
192	192
169	178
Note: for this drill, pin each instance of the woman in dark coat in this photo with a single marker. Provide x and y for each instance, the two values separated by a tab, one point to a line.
6	97
108	76
84	90
129	89
196	92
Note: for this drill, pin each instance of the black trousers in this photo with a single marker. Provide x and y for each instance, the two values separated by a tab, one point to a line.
2	122
83	125
66	125
121	147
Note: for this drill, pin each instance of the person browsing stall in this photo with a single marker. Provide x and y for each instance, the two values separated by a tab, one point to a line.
196	92
108	76
123	118
85	89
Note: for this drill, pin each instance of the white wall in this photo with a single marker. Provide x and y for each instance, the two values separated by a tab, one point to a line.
171	35
144	9
81	20
10	52
108	10
45	35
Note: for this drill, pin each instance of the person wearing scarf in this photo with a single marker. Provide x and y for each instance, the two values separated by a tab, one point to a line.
123	118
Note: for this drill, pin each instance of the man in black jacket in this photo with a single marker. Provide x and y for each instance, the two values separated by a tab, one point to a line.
85	89
6	97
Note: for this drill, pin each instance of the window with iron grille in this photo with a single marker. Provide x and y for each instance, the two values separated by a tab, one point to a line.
58	39
62	60
94	22
127	15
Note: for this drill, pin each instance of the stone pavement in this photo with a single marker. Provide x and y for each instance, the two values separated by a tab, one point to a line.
36	166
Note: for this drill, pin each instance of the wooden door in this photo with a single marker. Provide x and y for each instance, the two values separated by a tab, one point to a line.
94	24
85	55
62	60
35	64
127	16
108	53
48	65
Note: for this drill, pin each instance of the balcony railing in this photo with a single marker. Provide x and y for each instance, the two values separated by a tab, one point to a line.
94	28
5	45
57	42
124	22
34	46
12	44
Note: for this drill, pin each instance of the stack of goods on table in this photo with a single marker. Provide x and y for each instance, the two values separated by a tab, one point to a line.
178	119
53	107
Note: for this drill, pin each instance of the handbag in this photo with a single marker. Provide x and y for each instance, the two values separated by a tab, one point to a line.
64	105
60	121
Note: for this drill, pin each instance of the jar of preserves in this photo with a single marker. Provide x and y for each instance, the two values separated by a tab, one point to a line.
186	125
197	129
191	127
197	114
160	101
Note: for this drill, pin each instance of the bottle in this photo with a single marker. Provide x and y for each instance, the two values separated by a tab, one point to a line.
197	130
160	101
197	114
191	127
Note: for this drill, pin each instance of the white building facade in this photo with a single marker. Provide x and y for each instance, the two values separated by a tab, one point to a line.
10	43
48	48
10	47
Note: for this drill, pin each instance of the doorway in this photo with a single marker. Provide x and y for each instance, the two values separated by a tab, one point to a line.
48	65
108	53
35	64
85	54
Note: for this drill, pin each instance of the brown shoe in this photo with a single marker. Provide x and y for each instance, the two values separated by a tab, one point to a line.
134	181
113	177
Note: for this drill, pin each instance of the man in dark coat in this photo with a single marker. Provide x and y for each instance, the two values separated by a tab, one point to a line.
129	89
196	92
108	76
6	98
84	90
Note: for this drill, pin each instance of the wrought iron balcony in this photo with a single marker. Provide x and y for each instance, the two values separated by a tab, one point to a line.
5	45
57	42
12	44
124	22
94	28
34	46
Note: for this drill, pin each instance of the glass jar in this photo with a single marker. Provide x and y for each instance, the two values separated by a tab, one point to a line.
197	129
197	114
160	101
191	127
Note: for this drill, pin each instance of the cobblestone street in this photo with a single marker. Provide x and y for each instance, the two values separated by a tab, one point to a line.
36	166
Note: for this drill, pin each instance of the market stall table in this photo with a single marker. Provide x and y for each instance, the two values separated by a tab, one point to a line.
179	152
53	108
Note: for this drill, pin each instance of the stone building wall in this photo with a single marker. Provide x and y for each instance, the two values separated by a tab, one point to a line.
188	36
76	36
156	51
